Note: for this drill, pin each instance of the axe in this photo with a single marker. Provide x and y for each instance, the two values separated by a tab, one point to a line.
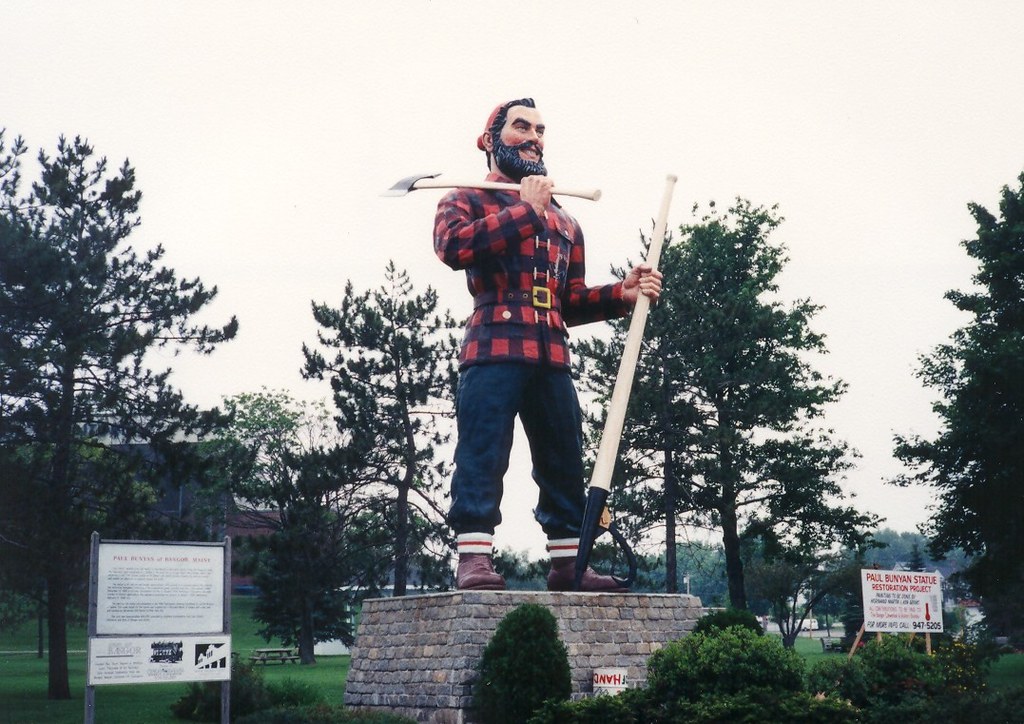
596	514
430	181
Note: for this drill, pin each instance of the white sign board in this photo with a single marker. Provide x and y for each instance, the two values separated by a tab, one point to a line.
902	601
156	659
157	588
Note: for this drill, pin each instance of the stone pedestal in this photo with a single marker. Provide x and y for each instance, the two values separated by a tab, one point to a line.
418	655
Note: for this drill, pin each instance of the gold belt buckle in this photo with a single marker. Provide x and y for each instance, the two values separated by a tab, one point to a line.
542	297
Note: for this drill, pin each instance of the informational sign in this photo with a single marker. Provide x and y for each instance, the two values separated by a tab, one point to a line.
156	659
158	612
902	601
158	588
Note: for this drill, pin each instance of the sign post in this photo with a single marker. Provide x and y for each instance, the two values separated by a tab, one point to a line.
158	612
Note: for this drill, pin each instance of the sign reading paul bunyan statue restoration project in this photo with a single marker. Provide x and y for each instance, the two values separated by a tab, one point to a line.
902	601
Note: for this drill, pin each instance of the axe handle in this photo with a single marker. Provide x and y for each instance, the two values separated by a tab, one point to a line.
609	448
433	183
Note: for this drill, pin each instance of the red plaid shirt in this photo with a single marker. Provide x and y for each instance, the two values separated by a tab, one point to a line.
526	277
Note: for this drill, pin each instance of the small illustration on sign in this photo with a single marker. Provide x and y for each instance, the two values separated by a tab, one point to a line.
166	652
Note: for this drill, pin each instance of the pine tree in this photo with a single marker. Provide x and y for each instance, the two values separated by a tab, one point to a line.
80	310
392	372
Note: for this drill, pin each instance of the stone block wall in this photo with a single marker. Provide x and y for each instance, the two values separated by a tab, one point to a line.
418	655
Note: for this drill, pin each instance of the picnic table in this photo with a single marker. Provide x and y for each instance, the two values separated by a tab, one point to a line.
265	656
833	645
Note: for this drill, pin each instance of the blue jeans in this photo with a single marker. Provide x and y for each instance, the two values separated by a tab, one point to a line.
488	399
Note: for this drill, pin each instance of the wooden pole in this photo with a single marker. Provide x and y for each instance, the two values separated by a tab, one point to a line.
612	434
856	641
604	465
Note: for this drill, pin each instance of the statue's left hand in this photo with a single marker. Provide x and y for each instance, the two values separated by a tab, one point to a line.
642	279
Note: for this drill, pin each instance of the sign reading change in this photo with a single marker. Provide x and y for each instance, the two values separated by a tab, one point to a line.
902	601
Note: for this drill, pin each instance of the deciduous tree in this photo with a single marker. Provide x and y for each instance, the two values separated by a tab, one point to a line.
723	428
290	471
976	462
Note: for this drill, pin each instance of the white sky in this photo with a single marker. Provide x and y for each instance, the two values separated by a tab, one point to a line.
262	134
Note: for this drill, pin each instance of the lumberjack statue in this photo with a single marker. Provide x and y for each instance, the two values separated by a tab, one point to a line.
523	256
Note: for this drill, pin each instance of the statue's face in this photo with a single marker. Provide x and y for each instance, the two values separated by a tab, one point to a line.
519	150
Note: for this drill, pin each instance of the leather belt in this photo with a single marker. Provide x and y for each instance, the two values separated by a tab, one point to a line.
539	297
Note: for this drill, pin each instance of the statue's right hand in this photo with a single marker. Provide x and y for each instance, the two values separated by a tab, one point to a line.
536	190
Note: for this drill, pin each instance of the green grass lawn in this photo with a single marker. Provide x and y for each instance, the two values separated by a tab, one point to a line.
23	679
1007	672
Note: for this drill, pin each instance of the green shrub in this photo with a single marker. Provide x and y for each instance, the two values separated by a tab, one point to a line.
839	678
322	714
727	618
893	679
887	680
730	675
249	694
291	693
723	662
964	666
760	705
523	665
627	707
755	706
895	676
201	701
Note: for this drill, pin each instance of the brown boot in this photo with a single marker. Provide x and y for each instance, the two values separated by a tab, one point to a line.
476	573
563	577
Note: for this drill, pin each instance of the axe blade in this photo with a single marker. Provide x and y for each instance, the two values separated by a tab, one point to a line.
408	184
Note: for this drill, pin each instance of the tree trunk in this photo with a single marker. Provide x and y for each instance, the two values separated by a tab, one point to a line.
40	627
307	641
60	540
671	489
671	561
733	561
402	541
56	609
727	509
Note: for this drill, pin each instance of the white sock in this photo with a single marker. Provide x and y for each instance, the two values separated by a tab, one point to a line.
474	543
563	547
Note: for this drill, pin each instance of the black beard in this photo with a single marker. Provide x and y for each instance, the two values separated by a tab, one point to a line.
512	165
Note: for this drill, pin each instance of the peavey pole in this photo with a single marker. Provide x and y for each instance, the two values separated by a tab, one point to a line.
596	516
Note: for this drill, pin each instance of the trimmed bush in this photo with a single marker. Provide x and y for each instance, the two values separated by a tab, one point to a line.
726	675
625	708
722	662
523	665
